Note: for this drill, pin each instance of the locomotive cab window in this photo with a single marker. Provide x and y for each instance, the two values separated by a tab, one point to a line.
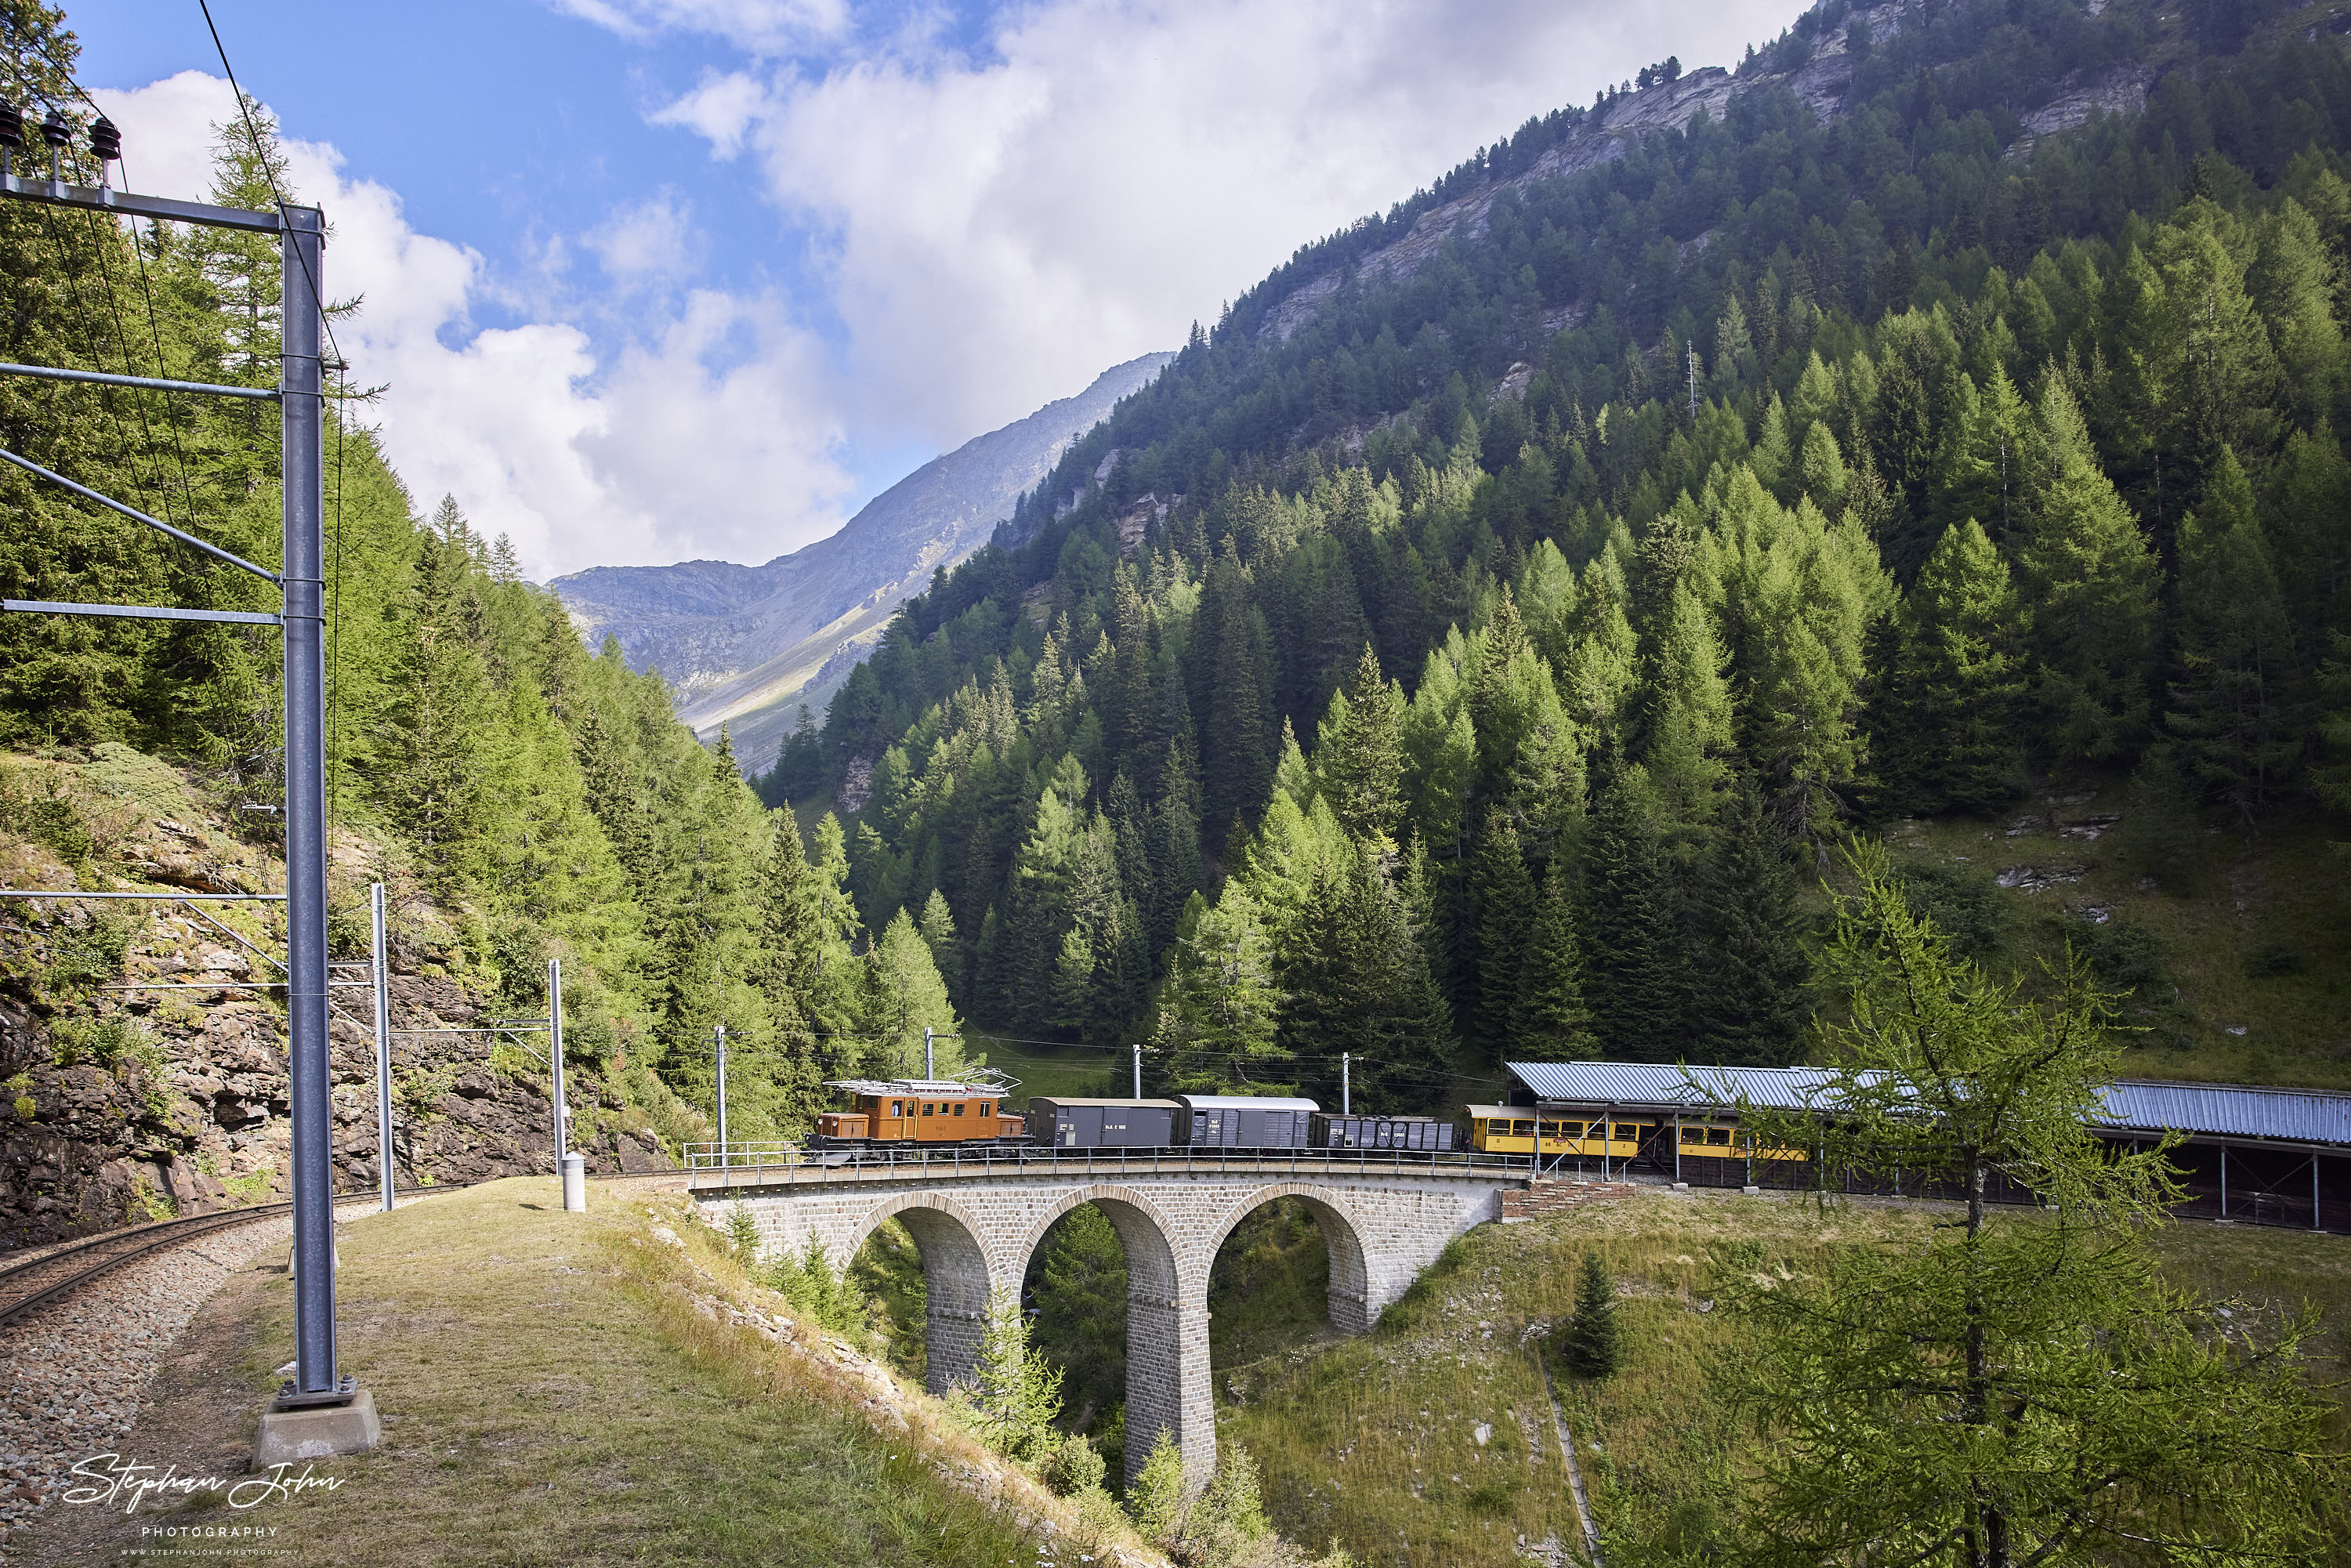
1693	1134
1627	1130
1718	1135
958	1110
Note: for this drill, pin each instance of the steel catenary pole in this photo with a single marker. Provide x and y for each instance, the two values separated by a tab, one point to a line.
303	424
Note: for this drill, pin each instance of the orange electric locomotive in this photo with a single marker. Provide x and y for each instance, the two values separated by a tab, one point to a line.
921	1112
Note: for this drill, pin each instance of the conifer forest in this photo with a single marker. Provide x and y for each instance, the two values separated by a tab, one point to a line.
1482	660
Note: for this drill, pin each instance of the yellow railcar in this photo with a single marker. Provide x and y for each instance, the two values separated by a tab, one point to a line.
1524	1130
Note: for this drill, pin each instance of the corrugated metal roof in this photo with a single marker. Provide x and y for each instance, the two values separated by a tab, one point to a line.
1669	1083
2287	1115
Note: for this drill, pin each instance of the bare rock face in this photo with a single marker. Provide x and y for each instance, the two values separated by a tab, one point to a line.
121	1106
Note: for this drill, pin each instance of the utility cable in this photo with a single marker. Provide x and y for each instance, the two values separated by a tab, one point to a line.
123	341
106	393
244	110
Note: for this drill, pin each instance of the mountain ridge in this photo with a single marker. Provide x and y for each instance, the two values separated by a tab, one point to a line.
745	645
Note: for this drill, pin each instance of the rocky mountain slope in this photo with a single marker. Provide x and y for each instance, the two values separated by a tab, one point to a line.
747	646
142	1054
1822	82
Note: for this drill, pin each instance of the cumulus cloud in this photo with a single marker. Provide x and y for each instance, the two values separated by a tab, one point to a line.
711	434
999	222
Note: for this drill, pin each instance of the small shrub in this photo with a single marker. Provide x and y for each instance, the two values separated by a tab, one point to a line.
2123	953
25	1108
145	1203
814	1291
744	1231
1964	903
1110	1436
1156	1502
254	1185
1074	1467
2273	960
40	811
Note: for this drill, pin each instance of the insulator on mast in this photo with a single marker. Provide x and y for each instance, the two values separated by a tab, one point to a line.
55	131
12	126
105	141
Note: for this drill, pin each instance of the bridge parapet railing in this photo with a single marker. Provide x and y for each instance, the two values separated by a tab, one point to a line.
714	1166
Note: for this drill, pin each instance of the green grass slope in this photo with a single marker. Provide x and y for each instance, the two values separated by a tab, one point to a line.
1374	1442
2230	945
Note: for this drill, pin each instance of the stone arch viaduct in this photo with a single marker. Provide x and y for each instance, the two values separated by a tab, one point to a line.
979	1221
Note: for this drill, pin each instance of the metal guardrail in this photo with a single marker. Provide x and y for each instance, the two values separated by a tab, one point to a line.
785	1164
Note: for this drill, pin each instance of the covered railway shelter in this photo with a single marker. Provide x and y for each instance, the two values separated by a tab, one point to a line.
2256	1156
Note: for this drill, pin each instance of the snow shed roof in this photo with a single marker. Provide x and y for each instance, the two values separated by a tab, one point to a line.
2198	1110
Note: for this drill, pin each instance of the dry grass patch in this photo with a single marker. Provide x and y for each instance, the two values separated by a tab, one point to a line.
551	1394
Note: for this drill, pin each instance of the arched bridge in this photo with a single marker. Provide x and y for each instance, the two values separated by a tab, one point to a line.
978	1220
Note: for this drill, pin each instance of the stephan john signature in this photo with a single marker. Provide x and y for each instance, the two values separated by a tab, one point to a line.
125	1481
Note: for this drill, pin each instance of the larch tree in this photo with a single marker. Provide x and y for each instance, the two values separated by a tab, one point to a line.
2018	1387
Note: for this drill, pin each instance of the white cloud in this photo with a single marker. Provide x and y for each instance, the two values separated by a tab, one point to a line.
999	225
714	435
764	25
652	241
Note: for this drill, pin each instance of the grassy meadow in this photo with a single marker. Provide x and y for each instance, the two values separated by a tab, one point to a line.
2235	944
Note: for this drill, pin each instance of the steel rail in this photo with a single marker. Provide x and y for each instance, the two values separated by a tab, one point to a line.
149	1239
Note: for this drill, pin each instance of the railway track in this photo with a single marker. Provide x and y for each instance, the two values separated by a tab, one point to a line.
40	1279
27	1285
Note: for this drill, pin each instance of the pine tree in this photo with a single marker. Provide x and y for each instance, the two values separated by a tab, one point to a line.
1015	1394
1175	845
1638	967
1752	993
2233	646
1550	1021
1359	753
1505	903
2089	581
939	928
1591	1342
442	712
1690	734
1217	1018
904	997
1944	721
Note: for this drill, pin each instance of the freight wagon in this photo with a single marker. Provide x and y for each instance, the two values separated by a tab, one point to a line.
1344	1132
1246	1122
1055	1123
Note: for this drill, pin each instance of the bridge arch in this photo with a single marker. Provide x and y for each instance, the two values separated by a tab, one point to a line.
1348	1298
957	1278
1167	1327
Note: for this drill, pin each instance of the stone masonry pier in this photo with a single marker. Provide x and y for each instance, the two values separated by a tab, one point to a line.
979	1220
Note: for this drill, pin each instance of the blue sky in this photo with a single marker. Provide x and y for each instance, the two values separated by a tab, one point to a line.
654	279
